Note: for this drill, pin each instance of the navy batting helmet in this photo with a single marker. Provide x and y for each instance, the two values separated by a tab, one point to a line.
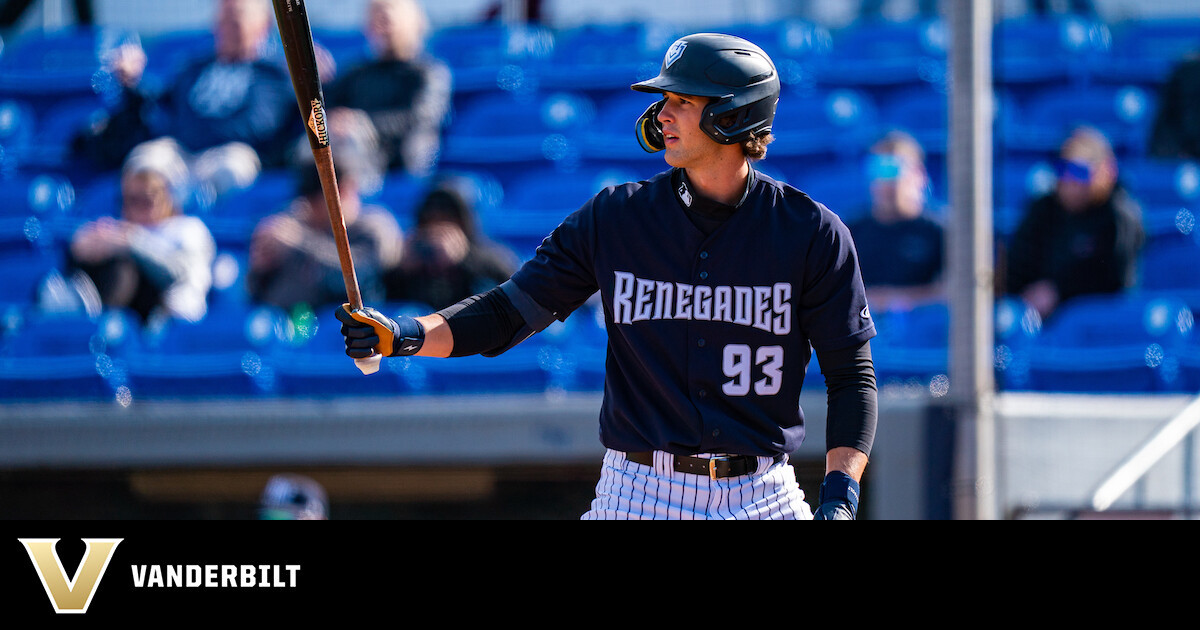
737	75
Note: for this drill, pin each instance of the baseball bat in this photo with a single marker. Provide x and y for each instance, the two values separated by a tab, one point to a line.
296	34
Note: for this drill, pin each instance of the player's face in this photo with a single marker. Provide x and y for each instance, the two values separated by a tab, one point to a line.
687	145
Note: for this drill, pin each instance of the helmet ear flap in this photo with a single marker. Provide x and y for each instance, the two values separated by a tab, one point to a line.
649	131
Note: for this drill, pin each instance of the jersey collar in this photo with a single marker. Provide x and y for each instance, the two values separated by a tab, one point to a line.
692	201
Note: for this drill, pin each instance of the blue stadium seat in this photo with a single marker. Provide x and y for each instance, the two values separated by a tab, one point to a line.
560	192
22	271
1122	112
1045	50
114	332
493	55
1189	365
400	193
1111	343
57	125
482	188
67	356
611	136
788	40
35	192
504	127
880	53
221	355
17	123
48	65
1158	181
33	208
538	202
911	344
1168	192
574	351
233	216
229	295
1145	50
840	184
825	122
922	111
312	363
597	57
1018	180
1170	264
525	369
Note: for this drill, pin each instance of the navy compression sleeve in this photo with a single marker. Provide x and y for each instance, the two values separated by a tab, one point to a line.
483	323
852	397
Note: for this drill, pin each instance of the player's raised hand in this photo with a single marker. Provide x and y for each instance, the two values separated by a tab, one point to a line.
838	499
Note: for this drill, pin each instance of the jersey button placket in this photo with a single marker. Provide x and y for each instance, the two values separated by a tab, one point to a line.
701	342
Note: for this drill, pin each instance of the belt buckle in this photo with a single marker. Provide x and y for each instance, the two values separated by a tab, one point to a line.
712	465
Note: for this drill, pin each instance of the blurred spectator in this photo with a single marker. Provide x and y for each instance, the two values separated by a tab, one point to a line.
1176	130
11	12
1082	238
900	247
153	259
446	256
106	143
291	497
1077	7
406	91
231	112
527	11
293	257
889	9
883	9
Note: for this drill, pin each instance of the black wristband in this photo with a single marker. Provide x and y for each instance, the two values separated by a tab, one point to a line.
838	486
410	336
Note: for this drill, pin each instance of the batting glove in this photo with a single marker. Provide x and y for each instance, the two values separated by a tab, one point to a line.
838	499
367	331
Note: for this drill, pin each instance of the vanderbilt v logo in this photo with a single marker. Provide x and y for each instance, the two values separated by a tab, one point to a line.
73	595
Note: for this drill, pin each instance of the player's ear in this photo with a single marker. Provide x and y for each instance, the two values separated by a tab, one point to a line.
649	131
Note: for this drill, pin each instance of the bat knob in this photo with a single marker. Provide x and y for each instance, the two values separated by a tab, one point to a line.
369	365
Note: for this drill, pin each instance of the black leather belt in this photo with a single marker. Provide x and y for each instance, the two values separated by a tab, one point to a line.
716	467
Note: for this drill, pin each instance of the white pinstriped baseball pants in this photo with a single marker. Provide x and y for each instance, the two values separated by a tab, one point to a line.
631	491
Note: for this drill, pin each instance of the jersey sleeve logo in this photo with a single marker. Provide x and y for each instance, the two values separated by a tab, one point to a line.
674	53
866	314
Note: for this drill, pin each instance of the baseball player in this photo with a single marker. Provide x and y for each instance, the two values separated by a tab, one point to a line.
717	284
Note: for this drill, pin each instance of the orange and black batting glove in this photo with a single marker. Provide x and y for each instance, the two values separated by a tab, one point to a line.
367	331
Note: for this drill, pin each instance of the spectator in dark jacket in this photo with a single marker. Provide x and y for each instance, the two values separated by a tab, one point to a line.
231	113
1176	130
446	256
405	91
1082	238
294	260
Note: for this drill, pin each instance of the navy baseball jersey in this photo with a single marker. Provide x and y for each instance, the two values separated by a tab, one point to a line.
709	335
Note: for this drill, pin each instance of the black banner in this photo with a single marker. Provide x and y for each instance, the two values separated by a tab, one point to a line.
240	570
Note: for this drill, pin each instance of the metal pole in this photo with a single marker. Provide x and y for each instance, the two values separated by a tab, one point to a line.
970	251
